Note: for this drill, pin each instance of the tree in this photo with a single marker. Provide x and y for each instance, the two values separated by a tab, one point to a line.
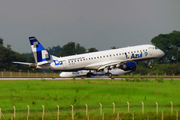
8	47
170	45
80	49
71	49
92	50
1	41
68	49
113	47
54	50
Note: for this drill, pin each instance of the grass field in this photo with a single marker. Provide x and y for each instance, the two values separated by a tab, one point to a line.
91	92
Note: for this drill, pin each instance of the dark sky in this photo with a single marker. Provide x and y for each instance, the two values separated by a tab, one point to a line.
92	23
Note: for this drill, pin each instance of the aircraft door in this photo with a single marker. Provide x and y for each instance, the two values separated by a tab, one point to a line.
150	51
64	64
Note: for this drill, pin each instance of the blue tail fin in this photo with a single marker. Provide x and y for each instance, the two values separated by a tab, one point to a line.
41	56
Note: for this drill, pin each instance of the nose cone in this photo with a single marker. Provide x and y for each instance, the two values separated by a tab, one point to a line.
160	53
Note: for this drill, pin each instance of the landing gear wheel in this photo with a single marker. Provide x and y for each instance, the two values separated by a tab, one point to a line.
109	74
89	75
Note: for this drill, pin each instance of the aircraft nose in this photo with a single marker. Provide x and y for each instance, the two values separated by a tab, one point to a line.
161	53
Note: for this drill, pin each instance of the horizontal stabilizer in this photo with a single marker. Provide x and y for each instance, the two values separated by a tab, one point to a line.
32	65
24	63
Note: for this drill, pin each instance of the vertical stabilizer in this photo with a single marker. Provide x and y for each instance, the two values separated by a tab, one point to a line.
41	56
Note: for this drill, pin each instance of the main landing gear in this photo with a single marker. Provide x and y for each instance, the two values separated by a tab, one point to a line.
89	74
108	74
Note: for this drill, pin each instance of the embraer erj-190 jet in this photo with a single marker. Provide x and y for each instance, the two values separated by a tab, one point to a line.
122	58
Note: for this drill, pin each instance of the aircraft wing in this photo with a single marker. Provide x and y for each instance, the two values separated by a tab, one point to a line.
118	64
109	65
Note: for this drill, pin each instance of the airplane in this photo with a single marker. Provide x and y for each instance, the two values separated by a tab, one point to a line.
123	58
80	73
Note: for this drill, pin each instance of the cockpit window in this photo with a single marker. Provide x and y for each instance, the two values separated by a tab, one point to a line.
156	48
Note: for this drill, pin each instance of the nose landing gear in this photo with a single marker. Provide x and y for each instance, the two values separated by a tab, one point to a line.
149	64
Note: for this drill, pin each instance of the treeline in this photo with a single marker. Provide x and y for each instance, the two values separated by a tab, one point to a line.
169	64
7	56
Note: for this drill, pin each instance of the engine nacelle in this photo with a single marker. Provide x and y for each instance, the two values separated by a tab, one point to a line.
128	66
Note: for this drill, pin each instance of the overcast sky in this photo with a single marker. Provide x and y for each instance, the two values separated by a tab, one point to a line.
92	23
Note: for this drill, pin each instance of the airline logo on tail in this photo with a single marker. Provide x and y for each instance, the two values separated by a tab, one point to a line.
40	54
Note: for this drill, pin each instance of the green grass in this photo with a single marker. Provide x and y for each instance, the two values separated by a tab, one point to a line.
91	92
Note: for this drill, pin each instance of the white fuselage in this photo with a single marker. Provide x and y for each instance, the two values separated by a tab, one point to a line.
96	60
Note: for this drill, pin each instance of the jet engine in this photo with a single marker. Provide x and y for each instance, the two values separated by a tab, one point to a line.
128	66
